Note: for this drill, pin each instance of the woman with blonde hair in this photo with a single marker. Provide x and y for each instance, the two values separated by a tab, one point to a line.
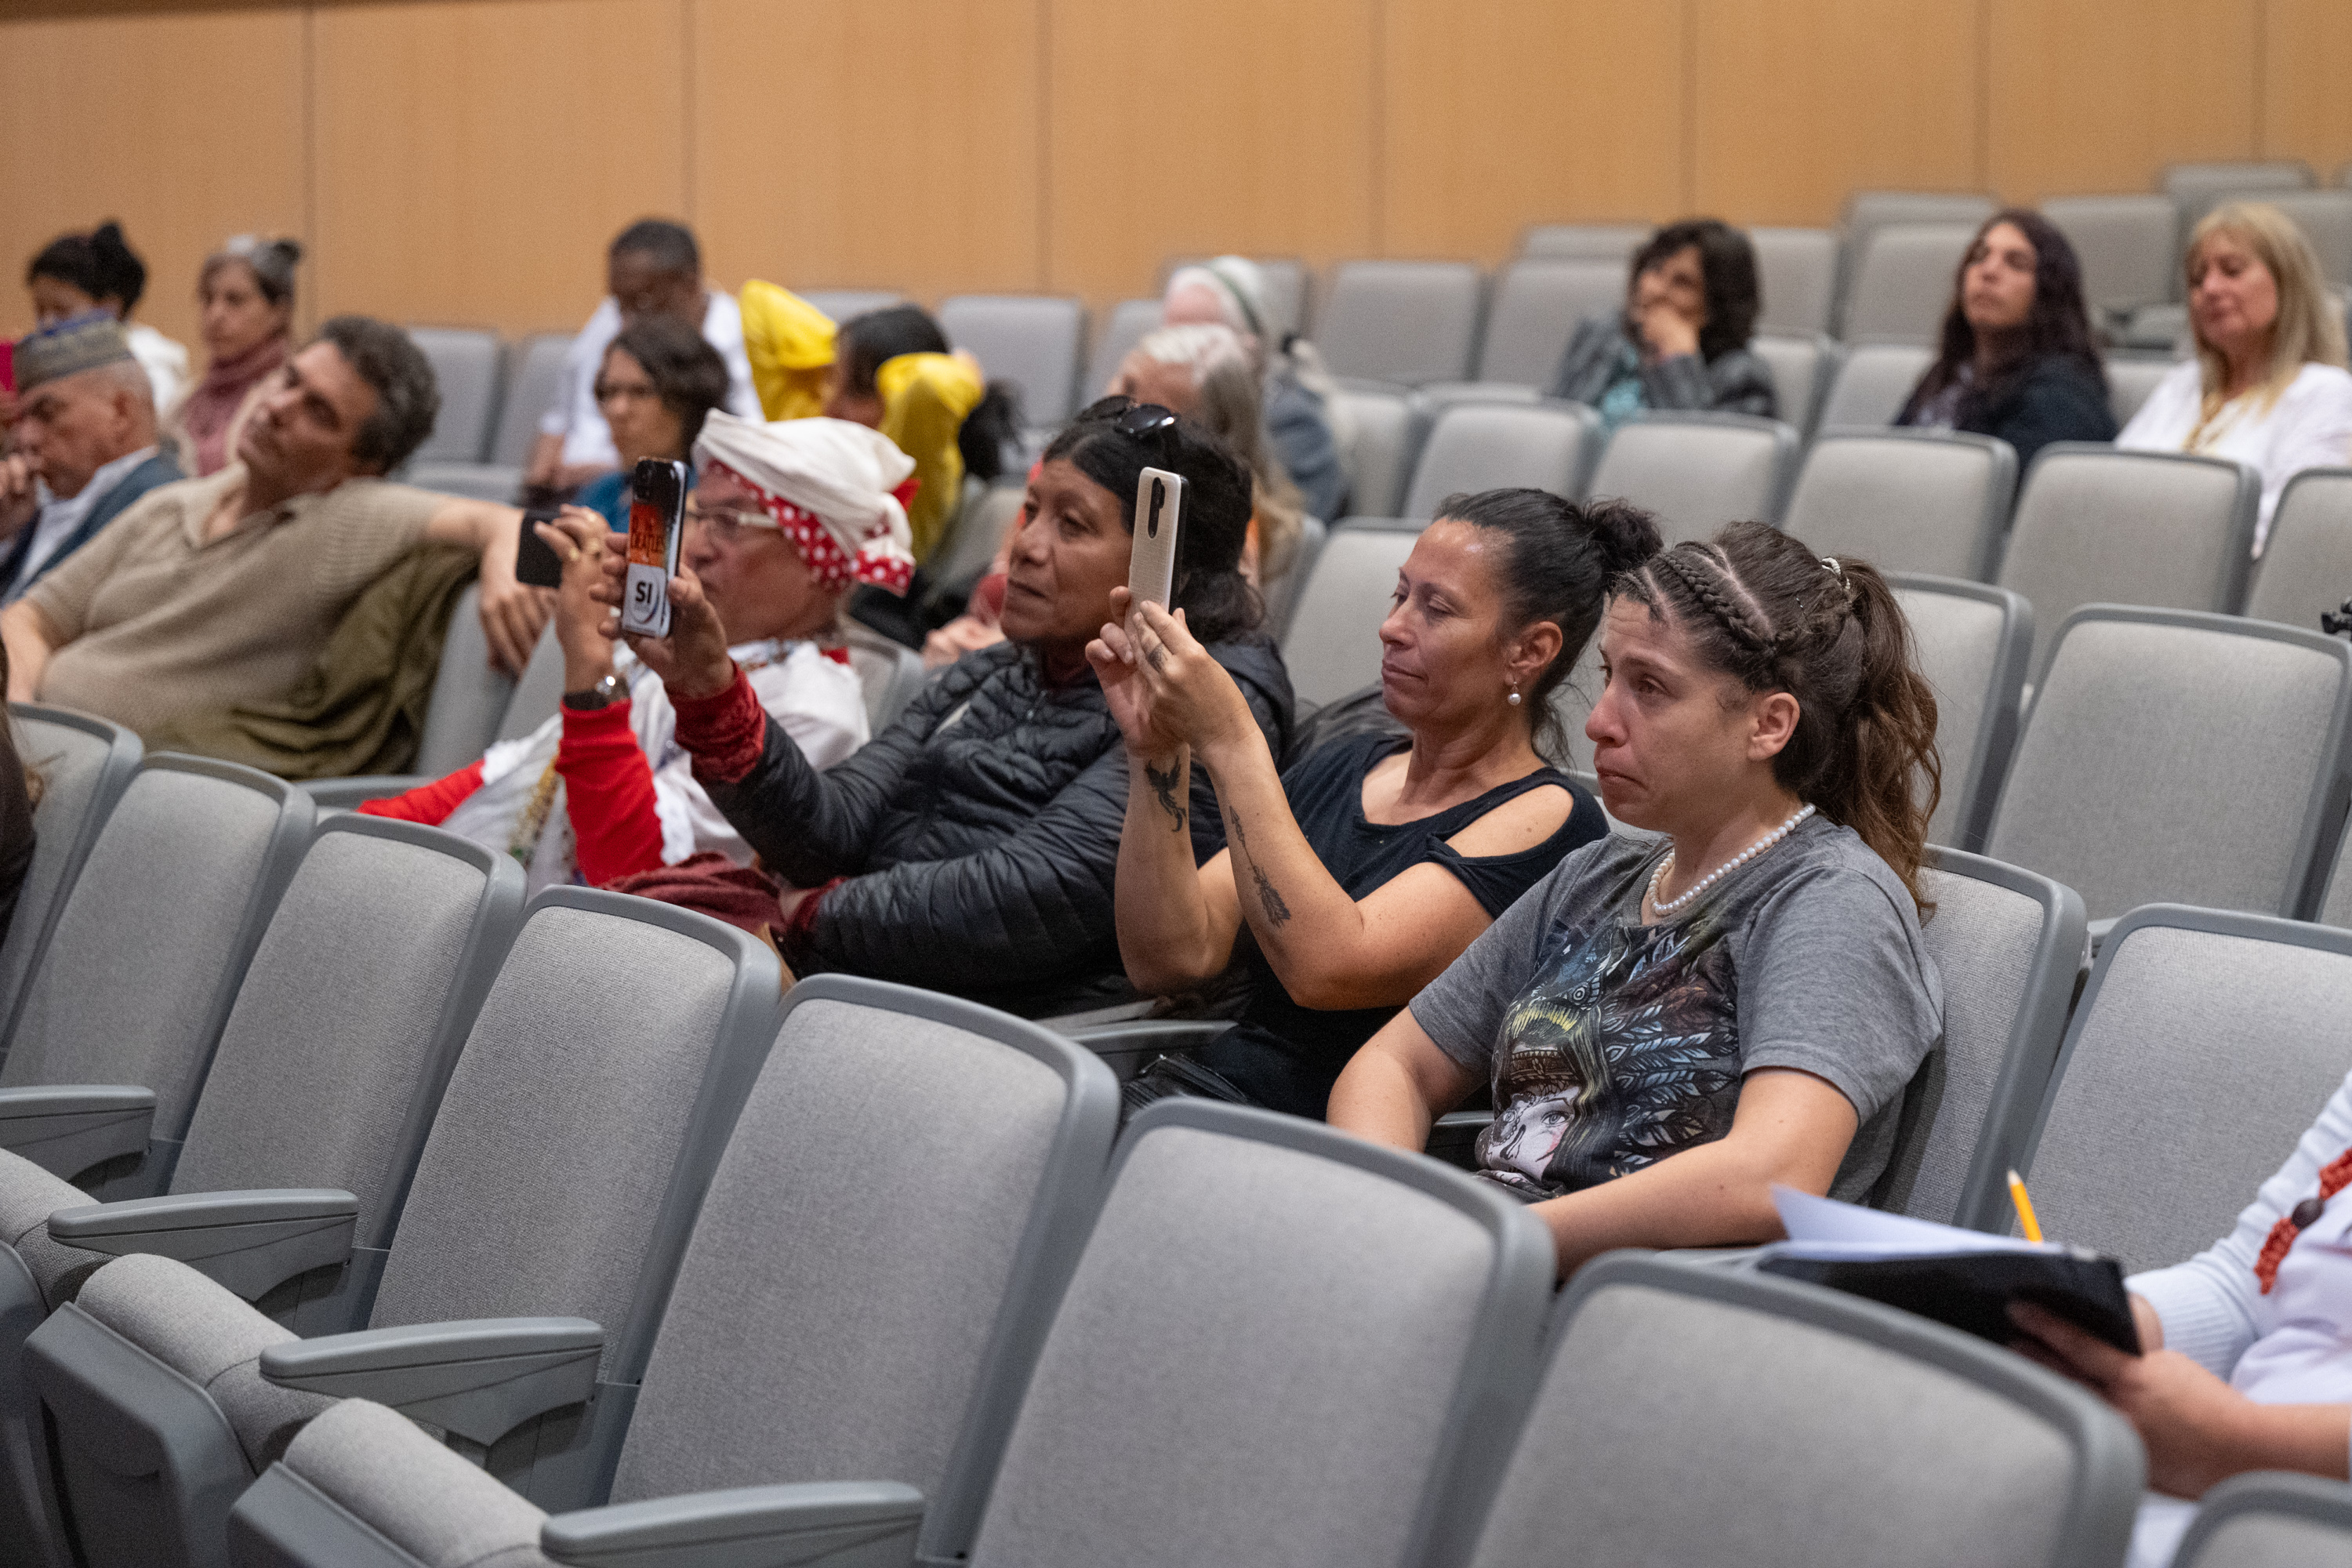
2268	385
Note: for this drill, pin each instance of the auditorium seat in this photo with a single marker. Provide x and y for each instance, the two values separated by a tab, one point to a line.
573	1143
2095	524
1872	384
2306	566
1405	322
2203	1045
2326	219
2129	247
1537	308
1866	212
466	372
889	674
84	764
1489	446
1905	500
1035	341
1698	472
1611	242
1383	428
2198	188
2174	756
825	1328
1333	645
468	699
1797	268
842	306
1901	285
534	381
2131	377
1816	1430
1281	593
2268	1519
1801	364
1972	644
1120	331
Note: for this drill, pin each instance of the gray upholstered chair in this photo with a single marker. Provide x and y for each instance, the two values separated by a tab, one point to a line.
1385	426
2198	188
825	1324
1612	242
1815	1430
1488	445
1333	645
1120	331
1405	322
1798	269
2203	1045
570	1152
1901	284
1536	307
1867	212
1905	499
2128	245
343	1035
1281	594
1972	643
2170	756
534	381
2268	1519
1872	384
465	362
2306	567
1032	340
2098	525
470	699
1698	472
2131	378
84	764
842	306
1802	364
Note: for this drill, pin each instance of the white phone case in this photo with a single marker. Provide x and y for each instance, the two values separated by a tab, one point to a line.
1159	512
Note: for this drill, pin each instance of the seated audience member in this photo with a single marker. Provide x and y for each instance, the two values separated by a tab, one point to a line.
601	792
220	590
1299	395
789	345
2246	1349
1669	1029
2268	385
970	847
652	269
1682	339
892	371
658	382
1367	867
2017	359
247	292
85	429
77	273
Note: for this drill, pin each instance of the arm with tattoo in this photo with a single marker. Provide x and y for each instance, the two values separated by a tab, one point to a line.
1175	930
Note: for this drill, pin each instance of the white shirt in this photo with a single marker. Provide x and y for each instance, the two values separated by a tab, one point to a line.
575	415
165	363
2310	426
56	520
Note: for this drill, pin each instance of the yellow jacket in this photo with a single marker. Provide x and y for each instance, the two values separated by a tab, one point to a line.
925	399
790	345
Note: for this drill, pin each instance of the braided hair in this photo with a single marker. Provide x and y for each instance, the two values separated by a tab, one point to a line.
1763	608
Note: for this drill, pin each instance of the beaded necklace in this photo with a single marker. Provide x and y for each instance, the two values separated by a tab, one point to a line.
2334	1177
1667	907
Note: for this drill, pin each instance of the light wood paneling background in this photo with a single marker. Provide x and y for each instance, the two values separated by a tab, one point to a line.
465	161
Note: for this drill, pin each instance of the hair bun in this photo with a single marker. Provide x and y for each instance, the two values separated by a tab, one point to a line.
1625	535
292	250
108	236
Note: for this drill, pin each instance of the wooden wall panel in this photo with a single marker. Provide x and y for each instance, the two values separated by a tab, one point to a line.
2307	83
1196	126
1499	115
187	129
886	143
1794	106
475	157
2099	95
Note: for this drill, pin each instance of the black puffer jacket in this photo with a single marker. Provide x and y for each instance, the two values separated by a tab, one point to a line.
980	832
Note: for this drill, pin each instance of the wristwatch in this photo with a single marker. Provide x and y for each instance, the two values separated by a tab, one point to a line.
603	694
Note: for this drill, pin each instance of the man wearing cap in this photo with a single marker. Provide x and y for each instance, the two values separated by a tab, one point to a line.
85	446
223	590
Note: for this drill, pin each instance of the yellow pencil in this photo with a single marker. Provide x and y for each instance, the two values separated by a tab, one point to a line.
2024	1207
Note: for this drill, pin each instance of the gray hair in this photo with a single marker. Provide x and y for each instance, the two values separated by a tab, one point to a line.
272	261
1232	405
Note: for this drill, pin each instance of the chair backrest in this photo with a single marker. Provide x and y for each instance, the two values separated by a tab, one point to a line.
1614	242
351	1015
1797	271
538	695
466	372
889	674
2326	219
1698	472
1400	321
969	551
1801	366
1535	310
1903	281
1488	445
1867	212
1908	1442
2306	566
534	381
2198	188
1034	342
1333	645
2096	524
2130	379
587	1110
1116	336
2198	1054
827	1325
2129	247
2008	945
1905	500
2270	1520
1384	430
2336	903
1389	1306
84	764
1282	594
2176	756
1872	384
842	306
469	698
172	897
1973	643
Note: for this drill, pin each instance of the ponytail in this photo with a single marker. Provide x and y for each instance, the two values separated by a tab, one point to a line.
992	426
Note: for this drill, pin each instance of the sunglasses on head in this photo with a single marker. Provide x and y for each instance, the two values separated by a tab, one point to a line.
1131	419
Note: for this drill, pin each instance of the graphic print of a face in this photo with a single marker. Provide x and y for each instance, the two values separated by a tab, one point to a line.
1529	1132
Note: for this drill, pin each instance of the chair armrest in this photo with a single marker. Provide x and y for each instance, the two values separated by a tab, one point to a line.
65	1129
480	1378
841	1524
1455	1139
1129	1048
342	794
248	1242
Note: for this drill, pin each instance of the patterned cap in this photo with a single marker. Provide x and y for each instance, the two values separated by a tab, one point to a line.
69	347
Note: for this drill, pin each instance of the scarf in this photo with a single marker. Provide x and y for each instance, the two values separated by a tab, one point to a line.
210	408
831	486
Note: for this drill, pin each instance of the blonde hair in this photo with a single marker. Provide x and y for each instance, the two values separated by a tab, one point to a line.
2310	325
1234	408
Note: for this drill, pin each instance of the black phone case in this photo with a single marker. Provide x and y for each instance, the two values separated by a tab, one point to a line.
536	561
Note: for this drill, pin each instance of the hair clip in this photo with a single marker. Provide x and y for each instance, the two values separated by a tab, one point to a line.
1830	562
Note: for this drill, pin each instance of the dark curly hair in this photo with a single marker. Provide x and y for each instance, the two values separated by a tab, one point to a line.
1727	263
2059	326
100	264
687	373
407	399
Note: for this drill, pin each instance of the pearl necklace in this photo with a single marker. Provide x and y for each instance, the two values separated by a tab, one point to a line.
1674	906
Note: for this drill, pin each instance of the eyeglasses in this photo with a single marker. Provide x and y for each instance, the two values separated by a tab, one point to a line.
726	523
1134	419
618	391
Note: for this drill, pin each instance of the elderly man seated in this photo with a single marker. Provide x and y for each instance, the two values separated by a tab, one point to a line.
85	446
223	590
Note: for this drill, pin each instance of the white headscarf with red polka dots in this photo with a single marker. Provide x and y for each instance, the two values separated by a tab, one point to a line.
838	490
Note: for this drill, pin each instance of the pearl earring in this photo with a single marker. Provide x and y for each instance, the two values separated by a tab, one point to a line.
1514	699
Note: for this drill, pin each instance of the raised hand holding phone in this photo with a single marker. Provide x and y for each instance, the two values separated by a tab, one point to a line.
656	527
1159	512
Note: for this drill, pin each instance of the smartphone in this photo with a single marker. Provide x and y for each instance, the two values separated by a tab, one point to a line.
1158	507
536	561
656	524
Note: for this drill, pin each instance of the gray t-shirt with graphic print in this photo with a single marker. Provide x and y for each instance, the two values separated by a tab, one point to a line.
1611	1045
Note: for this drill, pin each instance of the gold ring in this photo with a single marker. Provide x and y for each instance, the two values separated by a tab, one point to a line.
572	558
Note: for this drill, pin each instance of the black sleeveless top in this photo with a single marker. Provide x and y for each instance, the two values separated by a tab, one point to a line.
1286	1057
